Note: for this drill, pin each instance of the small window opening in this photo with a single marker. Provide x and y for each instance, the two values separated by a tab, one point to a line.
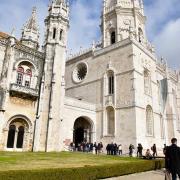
61	33
113	37
54	33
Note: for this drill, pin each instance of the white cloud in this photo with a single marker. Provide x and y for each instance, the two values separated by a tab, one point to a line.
84	25
15	13
162	23
163	28
167	43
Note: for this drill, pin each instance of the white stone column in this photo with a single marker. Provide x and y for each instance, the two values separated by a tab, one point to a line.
4	139
15	139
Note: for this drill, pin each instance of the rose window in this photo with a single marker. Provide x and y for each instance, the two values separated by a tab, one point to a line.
80	72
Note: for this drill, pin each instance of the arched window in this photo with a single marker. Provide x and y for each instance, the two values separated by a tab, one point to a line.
20	73
16	134
110	83
140	35
11	136
147	82
110	120
61	34
113	37
24	74
149	121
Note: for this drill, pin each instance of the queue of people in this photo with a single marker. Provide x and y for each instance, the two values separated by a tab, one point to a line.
172	153
114	149
97	148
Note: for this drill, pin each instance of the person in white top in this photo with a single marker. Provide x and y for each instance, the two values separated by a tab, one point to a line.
120	149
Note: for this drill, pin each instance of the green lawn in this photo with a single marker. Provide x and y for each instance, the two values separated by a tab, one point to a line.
69	166
31	161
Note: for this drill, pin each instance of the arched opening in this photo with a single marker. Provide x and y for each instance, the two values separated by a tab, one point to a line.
82	131
20	137
113	37
110	120
24	74
16	134
11	136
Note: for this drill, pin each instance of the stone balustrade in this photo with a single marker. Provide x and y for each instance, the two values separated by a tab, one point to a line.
120	3
23	92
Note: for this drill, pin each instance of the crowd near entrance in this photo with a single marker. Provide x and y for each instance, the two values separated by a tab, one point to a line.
82	131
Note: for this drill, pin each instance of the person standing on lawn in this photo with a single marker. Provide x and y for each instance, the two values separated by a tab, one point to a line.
154	150
139	150
172	158
120	149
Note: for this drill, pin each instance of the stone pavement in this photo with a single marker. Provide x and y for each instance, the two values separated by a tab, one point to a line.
151	175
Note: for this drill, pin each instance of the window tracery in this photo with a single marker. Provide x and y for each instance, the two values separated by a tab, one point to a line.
149	121
147	82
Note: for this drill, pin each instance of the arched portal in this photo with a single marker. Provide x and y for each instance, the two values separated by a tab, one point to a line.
16	133
82	131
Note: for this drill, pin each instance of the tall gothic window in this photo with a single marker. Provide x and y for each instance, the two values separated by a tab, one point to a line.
110	83
149	121
110	120
113	37
54	33
147	82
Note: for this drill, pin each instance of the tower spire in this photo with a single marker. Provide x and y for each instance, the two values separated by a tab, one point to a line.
30	33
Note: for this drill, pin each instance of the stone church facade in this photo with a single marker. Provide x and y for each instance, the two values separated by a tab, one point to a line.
116	91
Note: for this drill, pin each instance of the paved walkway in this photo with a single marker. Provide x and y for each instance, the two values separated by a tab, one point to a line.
151	175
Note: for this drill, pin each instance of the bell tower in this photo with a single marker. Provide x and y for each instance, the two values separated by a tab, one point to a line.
51	101
119	17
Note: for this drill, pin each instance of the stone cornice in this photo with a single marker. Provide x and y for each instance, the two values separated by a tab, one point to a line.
72	102
112	47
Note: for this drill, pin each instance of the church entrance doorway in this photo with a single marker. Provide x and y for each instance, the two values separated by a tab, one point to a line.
82	131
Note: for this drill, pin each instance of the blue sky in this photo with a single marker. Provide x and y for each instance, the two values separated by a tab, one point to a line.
163	23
